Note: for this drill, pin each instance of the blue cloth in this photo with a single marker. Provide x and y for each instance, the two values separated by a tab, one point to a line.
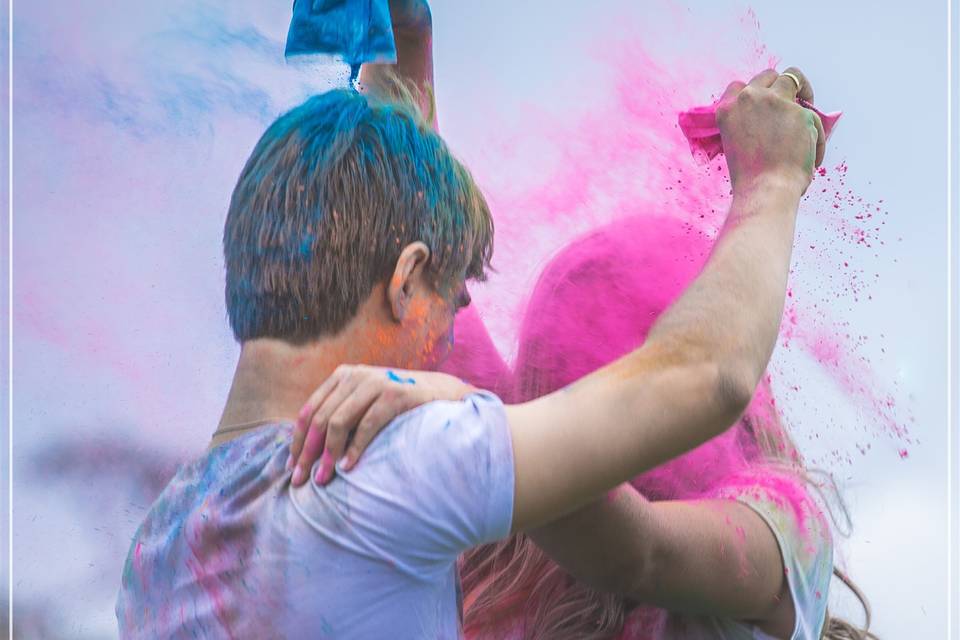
356	31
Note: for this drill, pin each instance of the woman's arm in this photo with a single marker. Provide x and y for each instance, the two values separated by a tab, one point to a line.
709	557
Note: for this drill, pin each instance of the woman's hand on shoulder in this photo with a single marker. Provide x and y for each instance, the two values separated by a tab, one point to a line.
359	401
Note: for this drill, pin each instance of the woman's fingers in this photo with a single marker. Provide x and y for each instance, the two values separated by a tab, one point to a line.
306	413
380	413
342	422
358	400
317	428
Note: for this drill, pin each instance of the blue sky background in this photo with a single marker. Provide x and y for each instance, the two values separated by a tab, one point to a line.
132	123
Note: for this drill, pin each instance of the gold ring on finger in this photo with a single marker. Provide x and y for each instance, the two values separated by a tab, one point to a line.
795	79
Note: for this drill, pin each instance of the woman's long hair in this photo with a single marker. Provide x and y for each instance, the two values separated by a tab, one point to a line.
594	302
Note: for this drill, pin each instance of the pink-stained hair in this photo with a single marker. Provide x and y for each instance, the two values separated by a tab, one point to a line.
595	301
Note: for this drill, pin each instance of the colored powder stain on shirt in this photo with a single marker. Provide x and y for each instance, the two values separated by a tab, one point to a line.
234	551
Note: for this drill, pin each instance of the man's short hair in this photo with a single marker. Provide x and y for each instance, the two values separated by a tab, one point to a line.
332	193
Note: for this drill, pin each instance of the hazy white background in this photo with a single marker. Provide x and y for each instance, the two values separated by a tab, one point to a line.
132	121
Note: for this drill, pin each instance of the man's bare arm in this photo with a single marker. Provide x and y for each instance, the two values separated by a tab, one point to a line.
705	355
650	541
702	359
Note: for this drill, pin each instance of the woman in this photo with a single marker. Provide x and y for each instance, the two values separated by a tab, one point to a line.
593	302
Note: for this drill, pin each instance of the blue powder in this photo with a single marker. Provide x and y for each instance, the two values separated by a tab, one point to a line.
395	378
306	245
355	31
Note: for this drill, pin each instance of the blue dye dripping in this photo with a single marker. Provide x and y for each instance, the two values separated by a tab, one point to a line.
356	31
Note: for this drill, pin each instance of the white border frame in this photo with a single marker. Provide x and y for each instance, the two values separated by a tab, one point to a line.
953	443
10	317
953	436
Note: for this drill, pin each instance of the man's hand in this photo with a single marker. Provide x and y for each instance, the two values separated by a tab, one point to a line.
359	400
766	133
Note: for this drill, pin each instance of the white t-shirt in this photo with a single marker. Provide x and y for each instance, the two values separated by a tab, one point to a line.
806	547
231	550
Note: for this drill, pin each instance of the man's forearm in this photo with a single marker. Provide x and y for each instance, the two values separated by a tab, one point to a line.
691	379
414	64
732	310
698	369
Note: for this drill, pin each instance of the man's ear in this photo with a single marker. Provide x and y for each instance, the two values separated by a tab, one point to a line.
407	276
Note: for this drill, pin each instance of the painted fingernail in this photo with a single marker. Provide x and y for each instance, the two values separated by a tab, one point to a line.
289	462
326	466
298	475
318	476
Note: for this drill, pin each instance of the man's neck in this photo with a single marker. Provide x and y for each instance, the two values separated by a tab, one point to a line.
273	379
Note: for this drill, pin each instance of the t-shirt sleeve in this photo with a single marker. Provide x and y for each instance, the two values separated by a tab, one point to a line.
436	482
803	536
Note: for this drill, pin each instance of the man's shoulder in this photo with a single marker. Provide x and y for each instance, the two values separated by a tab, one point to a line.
450	464
425	449
444	419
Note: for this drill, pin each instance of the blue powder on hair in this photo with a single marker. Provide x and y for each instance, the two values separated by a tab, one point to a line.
306	246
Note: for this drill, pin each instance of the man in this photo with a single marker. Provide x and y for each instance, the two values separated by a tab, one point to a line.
350	236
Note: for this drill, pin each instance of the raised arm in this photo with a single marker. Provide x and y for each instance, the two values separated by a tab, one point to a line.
692	378
702	360
474	357
413	35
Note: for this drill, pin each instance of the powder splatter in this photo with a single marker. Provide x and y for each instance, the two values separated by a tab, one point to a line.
627	158
623	220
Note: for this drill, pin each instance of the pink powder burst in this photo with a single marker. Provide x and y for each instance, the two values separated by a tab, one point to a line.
627	160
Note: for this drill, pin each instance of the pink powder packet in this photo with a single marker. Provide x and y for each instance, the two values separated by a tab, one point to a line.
699	125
